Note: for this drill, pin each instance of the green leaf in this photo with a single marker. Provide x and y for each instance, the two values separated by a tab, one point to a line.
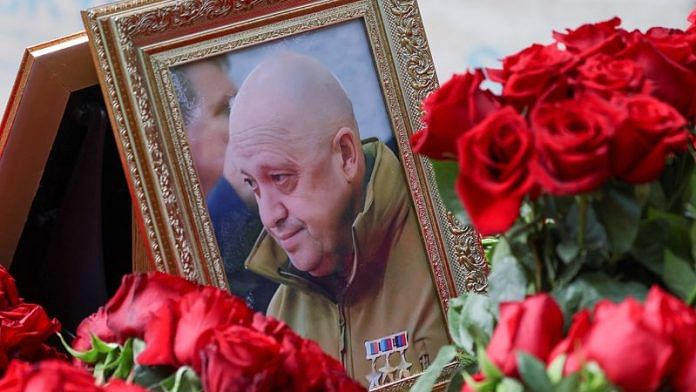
184	380
567	251
446	173
507	280
555	370
125	361
457	326
89	356
613	289
489	244
138	347
456	383
662	230
692	188
594	380
151	376
569	384
692	236
480	386
428	378
533	373
470	318
571	271
487	367
103	368
588	288
677	238
657	197
619	212
102	346
595	234
99	350
509	385
675	180
111	361
679	275
642	193
650	244
98	373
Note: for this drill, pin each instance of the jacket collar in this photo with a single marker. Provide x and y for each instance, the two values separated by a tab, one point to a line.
384	209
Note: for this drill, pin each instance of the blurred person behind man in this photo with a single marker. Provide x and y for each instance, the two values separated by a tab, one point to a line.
205	91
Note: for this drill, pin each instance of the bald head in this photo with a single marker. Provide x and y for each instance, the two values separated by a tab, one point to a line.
294	140
294	95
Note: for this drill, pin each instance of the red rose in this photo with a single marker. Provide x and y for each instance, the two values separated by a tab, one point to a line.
527	75
46	376
141	295
95	325
305	364
118	385
650	133
669	81
685	378
310	369
619	333
268	355
659	338
672	319
494	176
573	143
570	344
42	352
129	310
180	329
9	297
241	359
673	43
588	39
24	328
270	326
606	75
450	111
534	326
477	377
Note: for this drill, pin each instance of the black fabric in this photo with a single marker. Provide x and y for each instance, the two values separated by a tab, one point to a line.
76	243
236	229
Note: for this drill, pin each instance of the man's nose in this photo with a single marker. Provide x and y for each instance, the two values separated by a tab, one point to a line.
272	211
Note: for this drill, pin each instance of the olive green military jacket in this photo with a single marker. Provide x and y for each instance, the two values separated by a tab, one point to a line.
390	289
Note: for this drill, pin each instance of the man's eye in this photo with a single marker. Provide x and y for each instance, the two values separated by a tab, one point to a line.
285	182
279	178
250	182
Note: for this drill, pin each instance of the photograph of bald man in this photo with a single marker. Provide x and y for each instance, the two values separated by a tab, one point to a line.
340	233
204	89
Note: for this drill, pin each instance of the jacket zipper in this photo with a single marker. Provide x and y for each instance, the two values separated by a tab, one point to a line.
343	338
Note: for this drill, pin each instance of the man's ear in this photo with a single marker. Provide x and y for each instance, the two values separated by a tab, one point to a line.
347	144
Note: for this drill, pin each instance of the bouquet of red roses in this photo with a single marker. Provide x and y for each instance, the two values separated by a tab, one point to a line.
600	104
581	171
166	333
162	333
582	165
627	346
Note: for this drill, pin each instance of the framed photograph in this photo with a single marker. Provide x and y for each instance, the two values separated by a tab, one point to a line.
267	147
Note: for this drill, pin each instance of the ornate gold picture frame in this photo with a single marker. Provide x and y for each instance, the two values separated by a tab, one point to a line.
143	49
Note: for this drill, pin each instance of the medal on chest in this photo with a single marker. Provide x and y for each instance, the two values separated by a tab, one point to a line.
380	351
